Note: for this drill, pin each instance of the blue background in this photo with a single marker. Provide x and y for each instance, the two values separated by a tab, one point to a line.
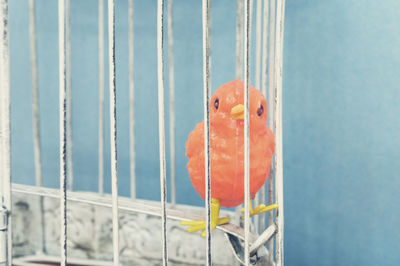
341	106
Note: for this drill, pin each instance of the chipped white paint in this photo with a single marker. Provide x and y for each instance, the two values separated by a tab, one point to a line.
246	60
206	112
62	134
113	130
280	16
161	127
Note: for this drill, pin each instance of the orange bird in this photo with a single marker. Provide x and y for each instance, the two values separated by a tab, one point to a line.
227	151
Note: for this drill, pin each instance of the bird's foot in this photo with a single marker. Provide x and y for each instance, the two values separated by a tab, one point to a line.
261	209
195	226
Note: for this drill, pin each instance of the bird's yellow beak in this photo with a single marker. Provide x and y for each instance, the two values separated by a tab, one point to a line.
237	112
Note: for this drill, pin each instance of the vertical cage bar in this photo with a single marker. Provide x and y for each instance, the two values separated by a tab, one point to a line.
62	122
35	95
35	112
258	42
113	128
271	106
161	125
171	102
265	50
101	97
264	90
206	108
258	86
70	171
206	24
280	16
239	40
131	103
246	132
5	152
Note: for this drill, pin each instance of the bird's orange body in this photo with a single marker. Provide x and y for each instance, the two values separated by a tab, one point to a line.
227	146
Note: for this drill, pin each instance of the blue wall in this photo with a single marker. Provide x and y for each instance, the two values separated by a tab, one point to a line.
340	111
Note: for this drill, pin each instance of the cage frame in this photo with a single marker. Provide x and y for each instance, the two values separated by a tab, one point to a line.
275	68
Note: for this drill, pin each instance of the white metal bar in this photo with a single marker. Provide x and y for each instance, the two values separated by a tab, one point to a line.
5	151
113	128
161	126
239	39
246	133
35	111
264	87
171	102
271	106
258	85
70	171
62	122
258	42
265	49
280	17
206	112
263	238
35	96
101	97
131	103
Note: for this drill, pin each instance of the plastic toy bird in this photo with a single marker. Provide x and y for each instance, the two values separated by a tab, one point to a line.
227	152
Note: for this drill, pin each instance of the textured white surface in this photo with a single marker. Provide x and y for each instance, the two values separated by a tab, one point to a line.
113	129
62	132
246	59
90	235
280	16
161	127
206	114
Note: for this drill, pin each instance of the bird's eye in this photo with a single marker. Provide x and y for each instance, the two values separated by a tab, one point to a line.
216	104
260	110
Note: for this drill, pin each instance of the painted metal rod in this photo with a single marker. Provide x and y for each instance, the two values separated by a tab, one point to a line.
264	90
161	126
70	171
5	151
35	94
63	125
171	102
239	39
131	103
263	238
280	17
35	112
246	60
258	85
258	42
206	4
101	97
113	129
271	107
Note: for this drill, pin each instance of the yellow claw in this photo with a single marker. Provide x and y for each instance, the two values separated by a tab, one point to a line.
195	226
261	209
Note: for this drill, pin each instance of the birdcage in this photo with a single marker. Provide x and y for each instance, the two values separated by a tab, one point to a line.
108	229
